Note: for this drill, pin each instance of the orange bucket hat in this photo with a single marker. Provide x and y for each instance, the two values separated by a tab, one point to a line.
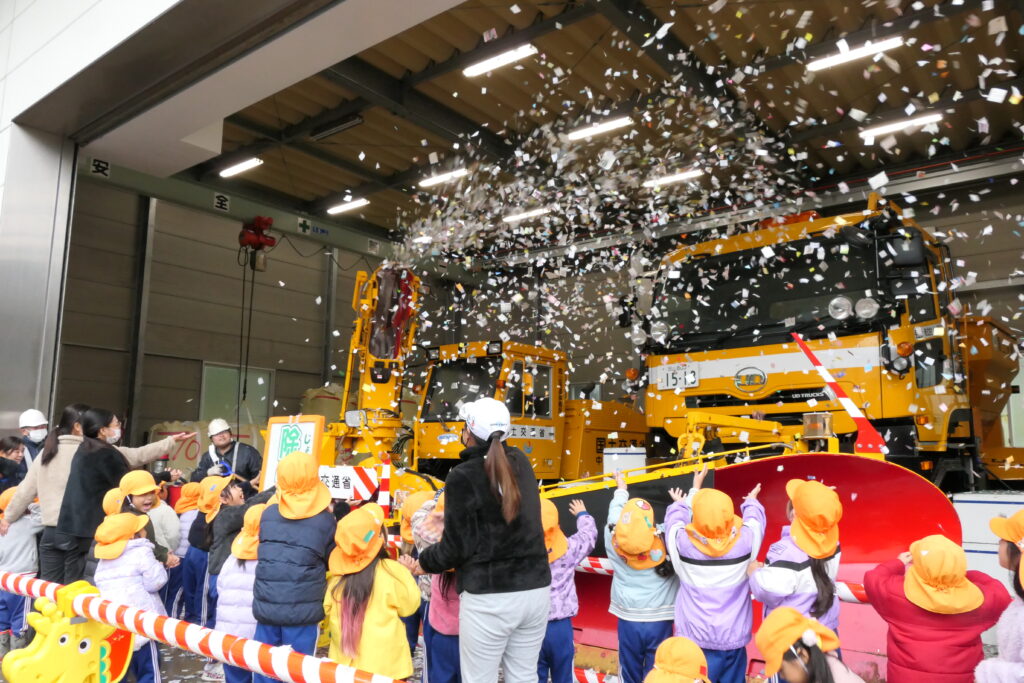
358	539
716	526
817	512
114	533
248	539
300	493
209	496
937	581
781	629
139	483
554	538
113	501
1010	529
189	499
635	538
413	502
676	660
6	496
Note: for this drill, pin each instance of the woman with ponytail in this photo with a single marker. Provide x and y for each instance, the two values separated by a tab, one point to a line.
494	540
799	649
1009	665
802	565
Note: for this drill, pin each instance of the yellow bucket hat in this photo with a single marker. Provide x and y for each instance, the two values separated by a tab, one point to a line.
209	496
358	539
716	526
784	627
413	502
6	496
300	493
114	533
937	580
817	511
635	538
554	538
113	501
1011	530
189	499
678	660
248	539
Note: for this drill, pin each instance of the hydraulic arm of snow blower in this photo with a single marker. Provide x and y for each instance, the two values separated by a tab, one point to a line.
698	428
385	303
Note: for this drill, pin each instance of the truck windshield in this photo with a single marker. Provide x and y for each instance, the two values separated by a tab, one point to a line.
769	291
455	382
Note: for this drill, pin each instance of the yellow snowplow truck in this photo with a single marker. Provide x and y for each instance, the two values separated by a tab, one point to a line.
564	438
873	295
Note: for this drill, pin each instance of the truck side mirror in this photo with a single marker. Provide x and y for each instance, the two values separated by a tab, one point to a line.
528	383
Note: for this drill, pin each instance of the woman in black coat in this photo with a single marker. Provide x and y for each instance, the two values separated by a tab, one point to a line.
494	540
97	467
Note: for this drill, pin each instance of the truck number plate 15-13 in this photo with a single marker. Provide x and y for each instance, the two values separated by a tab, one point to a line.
675	376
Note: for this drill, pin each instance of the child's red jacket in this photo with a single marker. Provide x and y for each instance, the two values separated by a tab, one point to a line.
924	646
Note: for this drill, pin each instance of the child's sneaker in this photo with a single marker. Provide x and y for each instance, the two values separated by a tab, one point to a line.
5	643
213	672
19	642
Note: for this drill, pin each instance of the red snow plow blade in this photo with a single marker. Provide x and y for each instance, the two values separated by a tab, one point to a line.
885	508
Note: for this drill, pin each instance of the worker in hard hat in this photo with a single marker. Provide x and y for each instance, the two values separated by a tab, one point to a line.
34	427
228	457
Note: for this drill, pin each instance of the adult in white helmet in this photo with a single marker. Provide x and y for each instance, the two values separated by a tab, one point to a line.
34	427
494	540
227	456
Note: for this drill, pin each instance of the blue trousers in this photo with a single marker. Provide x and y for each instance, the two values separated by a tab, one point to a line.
727	666
412	625
210	613
300	638
193	580
442	656
171	594
557	653
13	609
145	664
637	642
234	674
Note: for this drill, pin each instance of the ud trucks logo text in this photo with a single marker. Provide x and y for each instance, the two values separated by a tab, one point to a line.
750	379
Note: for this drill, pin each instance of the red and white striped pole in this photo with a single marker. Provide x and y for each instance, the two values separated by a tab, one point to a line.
282	663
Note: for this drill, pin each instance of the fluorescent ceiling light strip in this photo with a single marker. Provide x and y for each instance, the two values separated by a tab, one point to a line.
915	122
676	178
515	218
498	61
865	50
348	206
241	167
443	177
599	128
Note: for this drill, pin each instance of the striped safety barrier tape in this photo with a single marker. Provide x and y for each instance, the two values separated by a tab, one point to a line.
591	676
278	662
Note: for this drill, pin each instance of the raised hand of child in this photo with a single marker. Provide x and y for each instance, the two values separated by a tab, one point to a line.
620	480
753	567
676	494
698	479
906	558
753	493
576	507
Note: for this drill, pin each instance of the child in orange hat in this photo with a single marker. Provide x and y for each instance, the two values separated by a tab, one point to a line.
296	537
564	553
367	597
802	566
936	611
178	593
410	506
234	587
1009	665
679	660
801	649
140	497
643	584
710	548
129	573
194	577
18	555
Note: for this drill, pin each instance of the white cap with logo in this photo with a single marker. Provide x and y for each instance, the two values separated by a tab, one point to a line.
32	418
217	425
486	416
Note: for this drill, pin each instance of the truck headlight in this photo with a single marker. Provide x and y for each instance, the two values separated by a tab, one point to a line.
659	331
840	308
638	337
900	364
866	308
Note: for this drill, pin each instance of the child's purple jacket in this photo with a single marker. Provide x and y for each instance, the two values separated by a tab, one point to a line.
786	580
713	607
563	570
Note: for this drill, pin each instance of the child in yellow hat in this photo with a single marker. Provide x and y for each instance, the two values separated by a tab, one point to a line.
801	649
234	587
140	497
410	506
1009	664
367	597
129	573
936	611
643	584
18	555
296	536
181	582
802	566
679	660
711	546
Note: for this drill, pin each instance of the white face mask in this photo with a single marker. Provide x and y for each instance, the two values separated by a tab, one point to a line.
114	437
37	435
